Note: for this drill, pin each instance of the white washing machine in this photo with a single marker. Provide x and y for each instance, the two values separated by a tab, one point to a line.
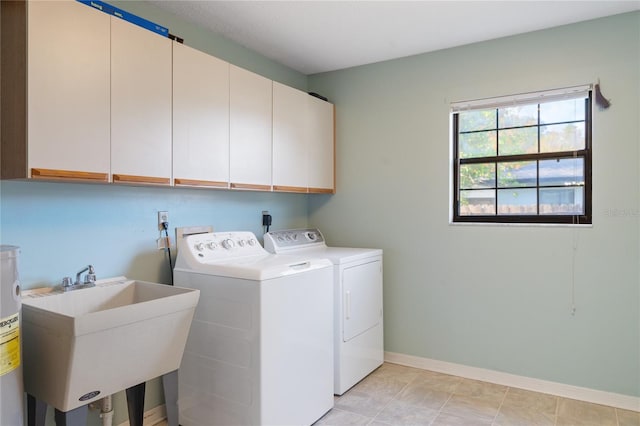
358	326
260	349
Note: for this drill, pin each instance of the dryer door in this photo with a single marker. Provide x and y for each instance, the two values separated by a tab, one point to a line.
361	298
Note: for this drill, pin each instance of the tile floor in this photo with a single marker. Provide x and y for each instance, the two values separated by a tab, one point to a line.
398	395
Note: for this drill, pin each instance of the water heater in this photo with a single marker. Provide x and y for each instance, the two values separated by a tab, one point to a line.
11	386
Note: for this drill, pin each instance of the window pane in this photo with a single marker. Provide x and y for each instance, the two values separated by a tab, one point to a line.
562	200
481	144
562	137
518	141
475	176
517	201
476	202
516	173
562	172
517	116
561	111
477	120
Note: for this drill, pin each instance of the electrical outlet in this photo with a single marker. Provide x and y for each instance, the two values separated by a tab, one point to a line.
266	218
163	217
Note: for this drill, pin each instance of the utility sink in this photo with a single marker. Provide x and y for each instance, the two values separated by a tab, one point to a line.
85	344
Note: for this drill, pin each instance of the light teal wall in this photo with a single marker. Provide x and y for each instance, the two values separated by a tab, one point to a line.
494	297
61	227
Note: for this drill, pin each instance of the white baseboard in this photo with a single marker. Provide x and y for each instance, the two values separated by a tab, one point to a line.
560	389
151	417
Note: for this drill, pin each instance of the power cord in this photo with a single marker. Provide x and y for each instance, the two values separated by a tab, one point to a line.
165	226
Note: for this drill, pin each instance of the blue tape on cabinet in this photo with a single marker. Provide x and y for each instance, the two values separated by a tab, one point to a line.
129	17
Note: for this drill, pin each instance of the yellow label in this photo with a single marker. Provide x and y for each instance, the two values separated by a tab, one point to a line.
9	343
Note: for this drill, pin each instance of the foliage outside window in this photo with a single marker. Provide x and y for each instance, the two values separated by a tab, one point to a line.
523	159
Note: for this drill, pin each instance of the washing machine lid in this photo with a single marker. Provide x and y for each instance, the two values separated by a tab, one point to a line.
258	268
238	255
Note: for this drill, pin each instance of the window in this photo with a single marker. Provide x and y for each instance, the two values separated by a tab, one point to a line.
524	158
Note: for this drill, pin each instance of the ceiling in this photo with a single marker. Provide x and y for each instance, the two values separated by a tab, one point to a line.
318	36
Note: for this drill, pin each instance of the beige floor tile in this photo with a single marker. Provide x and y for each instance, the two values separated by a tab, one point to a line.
419	394
540	402
470	407
438	381
403	414
573	413
362	403
338	417
397	371
446	419
383	386
481	390
628	418
523	416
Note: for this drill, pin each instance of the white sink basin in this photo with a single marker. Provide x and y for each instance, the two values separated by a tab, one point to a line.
85	344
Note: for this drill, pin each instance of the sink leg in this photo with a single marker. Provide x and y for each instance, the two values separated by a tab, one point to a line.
36	411
75	417
135	404
170	387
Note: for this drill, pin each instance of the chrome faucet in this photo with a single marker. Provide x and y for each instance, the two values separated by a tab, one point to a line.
89	280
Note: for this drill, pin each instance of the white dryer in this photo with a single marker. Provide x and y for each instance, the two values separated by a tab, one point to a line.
358	319
260	348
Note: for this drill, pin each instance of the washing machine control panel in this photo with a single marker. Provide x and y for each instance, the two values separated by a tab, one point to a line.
281	241
214	246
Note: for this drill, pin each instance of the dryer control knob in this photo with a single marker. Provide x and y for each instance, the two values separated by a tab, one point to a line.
228	244
252	242
199	246
241	243
211	245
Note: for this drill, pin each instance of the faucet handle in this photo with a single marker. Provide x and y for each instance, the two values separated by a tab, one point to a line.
67	283
91	275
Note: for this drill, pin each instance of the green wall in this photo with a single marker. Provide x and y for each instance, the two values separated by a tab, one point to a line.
495	297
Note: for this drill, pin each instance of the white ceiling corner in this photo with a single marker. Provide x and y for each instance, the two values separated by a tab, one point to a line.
319	36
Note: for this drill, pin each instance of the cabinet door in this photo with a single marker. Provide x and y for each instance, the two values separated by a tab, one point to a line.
200	118
140	105
68	91
321	146
250	130
290	108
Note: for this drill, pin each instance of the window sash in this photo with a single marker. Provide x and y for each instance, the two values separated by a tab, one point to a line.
538	216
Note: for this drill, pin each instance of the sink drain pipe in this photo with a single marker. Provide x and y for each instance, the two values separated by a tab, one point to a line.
106	411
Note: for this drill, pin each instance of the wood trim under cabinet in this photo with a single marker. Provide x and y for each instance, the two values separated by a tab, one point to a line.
283	188
69	175
202	183
322	191
250	186
145	180
13	86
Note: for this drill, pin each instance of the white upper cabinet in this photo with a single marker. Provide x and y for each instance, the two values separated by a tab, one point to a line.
68	91
140	105
109	101
290	136
250	130
321	143
200	118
